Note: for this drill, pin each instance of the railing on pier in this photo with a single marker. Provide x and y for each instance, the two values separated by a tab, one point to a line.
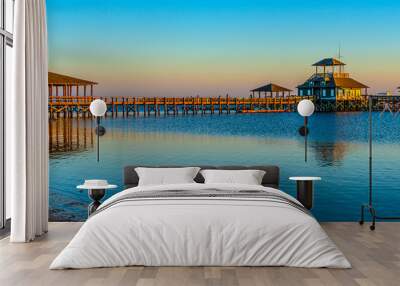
75	106
125	106
351	103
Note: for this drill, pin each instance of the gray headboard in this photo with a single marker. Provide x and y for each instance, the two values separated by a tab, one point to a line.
271	178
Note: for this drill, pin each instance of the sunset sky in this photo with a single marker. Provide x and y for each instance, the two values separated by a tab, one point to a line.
185	48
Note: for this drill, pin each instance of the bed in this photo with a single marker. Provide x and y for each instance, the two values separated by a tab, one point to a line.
197	224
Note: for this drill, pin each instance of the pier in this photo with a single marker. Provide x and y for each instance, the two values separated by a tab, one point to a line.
69	107
70	97
136	106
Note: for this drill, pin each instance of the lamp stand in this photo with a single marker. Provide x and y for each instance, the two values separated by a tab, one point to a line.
370	206
305	137
98	138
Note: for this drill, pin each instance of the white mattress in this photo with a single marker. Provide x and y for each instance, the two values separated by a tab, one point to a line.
200	232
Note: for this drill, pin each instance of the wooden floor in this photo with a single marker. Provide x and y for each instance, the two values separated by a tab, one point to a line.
375	257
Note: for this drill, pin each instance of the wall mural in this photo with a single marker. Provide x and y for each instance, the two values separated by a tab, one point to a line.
218	82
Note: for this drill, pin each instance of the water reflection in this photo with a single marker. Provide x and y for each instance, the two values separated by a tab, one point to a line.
70	135
338	149
331	153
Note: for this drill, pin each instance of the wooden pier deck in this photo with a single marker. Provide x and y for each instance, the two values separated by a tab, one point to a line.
72	106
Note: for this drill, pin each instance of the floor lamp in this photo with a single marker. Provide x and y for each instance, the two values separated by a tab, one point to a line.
98	108
370	206
305	108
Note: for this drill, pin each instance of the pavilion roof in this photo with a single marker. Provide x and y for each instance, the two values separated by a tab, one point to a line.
271	88
331	80
60	79
329	62
348	83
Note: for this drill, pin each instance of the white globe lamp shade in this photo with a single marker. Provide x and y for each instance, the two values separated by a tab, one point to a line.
305	107
98	107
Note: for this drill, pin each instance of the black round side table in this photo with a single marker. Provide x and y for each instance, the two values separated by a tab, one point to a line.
96	195
96	191
305	190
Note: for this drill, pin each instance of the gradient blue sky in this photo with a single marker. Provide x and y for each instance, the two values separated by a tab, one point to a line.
176	48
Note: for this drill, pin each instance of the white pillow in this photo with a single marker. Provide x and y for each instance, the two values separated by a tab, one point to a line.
166	176
248	177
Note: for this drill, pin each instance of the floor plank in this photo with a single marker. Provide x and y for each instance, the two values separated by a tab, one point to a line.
375	257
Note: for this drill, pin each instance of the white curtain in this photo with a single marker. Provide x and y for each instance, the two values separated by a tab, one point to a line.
27	124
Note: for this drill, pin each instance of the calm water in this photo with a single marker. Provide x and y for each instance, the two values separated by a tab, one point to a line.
338	152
